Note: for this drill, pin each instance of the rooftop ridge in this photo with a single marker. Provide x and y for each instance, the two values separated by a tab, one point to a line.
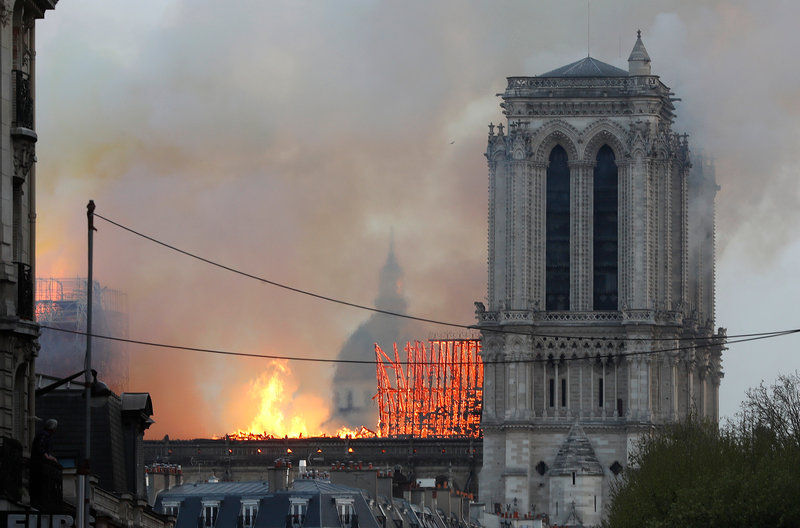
586	67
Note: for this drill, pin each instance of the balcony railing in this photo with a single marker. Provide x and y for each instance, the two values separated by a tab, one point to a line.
25	304
45	479
348	520
23	100
46	485
295	520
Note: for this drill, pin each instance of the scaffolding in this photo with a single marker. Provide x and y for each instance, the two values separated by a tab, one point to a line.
63	301
61	310
436	392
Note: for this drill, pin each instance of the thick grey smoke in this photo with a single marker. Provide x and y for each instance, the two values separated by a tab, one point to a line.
285	138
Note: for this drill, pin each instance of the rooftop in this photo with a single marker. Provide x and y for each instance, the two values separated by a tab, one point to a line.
576	454
587	67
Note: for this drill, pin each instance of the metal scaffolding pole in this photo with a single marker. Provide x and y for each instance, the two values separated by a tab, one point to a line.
437	392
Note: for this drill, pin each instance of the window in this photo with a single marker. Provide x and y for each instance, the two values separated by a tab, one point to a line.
298	506
552	392
600	392
249	512
563	392
605	231
345	510
210	512
170	508
557	232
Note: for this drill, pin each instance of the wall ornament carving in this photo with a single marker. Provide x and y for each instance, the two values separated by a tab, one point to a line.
24	158
5	12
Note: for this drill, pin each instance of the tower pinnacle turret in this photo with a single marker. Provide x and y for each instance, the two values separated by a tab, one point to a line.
639	60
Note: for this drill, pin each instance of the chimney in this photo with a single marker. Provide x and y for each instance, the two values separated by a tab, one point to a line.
278	477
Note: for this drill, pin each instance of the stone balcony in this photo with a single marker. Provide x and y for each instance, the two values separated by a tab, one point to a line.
576	318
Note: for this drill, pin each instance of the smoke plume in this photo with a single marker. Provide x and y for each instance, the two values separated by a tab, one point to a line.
285	139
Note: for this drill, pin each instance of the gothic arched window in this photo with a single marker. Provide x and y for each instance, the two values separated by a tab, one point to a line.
605	231
557	241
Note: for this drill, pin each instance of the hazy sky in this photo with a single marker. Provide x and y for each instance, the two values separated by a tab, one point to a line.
287	139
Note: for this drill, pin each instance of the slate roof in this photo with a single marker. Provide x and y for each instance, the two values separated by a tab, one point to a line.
587	67
321	486
272	507
137	401
218	489
639	53
576	454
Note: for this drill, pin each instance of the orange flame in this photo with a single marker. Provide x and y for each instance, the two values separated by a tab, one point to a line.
275	416
281	412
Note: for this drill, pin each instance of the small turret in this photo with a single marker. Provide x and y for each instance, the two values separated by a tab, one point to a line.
639	61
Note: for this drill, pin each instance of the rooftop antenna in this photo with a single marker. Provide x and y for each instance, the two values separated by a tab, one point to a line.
588	20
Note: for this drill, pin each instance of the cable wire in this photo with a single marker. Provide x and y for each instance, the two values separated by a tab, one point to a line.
550	357
499	330
283	286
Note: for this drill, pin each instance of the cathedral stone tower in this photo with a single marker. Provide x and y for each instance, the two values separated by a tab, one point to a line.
600	317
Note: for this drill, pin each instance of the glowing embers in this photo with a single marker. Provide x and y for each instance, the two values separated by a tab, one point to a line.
361	432
439	393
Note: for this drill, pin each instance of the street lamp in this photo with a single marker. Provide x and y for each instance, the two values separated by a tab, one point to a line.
96	388
83	473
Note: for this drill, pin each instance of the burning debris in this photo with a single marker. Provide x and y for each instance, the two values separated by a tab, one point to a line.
438	394
362	432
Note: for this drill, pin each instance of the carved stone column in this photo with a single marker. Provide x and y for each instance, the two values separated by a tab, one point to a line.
605	385
581	364
538	204
519	241
642	244
625	233
616	391
545	390
581	235
674	410
510	388
691	400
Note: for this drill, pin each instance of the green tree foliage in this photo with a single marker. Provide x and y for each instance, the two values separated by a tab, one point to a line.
746	473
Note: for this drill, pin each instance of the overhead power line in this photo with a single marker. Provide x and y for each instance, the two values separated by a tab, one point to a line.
278	284
555	353
499	330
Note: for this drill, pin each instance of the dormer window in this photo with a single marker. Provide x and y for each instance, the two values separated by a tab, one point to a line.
210	513
170	508
249	512
298	508
346	511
